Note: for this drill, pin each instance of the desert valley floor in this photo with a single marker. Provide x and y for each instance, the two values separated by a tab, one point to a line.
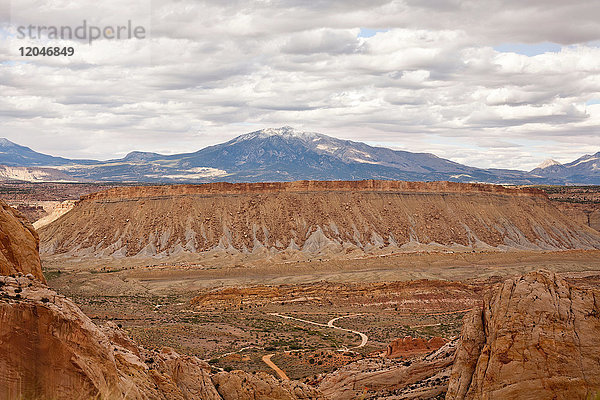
228	309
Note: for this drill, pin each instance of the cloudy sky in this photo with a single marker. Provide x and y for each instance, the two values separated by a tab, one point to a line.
486	83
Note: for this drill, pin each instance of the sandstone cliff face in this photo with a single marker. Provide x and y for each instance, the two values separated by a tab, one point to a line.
51	350
18	244
536	338
313	217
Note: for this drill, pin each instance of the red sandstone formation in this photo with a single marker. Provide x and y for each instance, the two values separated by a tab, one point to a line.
407	346
379	378
18	244
536	338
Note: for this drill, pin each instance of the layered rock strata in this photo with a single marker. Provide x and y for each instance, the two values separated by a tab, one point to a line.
312	217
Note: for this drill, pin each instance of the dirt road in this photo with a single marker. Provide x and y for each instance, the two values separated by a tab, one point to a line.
267	360
364	338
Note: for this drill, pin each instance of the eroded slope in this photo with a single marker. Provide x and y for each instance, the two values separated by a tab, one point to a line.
311	217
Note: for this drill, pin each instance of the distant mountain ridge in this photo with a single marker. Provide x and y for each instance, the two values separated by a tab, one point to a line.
585	169
286	154
15	155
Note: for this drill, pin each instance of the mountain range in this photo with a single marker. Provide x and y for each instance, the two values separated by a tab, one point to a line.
286	154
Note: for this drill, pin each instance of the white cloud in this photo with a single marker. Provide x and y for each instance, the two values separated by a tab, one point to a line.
431	81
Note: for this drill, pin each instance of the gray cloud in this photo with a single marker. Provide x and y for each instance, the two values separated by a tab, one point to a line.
211	70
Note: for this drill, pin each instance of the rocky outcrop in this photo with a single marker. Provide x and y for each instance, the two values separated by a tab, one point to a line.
312	217
19	244
239	385
54	212
51	350
420	296
584	213
421	378
406	346
536	338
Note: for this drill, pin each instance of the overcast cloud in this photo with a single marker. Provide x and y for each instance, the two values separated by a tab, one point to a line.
489	84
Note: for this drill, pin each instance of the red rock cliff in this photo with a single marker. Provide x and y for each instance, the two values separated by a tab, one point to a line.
308	186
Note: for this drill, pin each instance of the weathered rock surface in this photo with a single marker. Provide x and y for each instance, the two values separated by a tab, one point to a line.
422	295
422	378
580	203
50	350
584	213
19	244
536	338
126	193
239	385
54	211
312	217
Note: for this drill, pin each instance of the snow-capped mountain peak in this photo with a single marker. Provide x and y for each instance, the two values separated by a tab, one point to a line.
588	158
286	132
548	163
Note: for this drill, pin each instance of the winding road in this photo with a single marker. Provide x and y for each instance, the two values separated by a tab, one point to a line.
330	324
364	338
